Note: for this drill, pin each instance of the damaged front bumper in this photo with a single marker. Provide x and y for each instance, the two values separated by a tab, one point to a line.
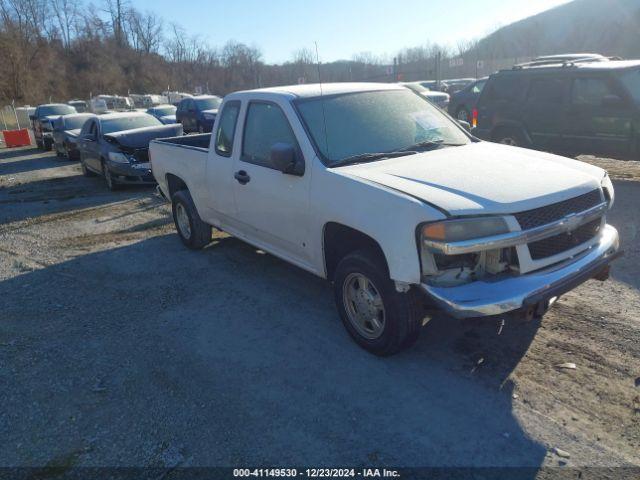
500	295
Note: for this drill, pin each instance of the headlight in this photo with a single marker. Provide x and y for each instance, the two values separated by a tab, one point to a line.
209	116
607	188
118	157
449	231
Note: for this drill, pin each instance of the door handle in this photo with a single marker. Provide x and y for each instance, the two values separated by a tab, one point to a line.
242	177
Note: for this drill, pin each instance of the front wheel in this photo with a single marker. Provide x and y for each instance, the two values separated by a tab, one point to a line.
193	232
380	319
108	178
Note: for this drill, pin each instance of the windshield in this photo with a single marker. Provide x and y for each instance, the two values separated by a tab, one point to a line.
162	111
373	122
128	123
416	87
631	80
56	110
208	103
73	123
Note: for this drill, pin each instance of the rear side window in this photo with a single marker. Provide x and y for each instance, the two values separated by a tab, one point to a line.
477	87
546	90
265	126
227	128
507	88
590	91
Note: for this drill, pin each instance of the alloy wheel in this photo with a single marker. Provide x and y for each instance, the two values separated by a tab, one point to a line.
364	306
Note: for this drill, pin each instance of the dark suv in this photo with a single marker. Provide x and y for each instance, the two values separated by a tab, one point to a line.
588	106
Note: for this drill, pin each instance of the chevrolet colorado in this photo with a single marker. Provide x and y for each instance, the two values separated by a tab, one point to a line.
372	187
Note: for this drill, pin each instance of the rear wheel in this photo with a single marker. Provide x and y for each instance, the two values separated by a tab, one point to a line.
193	232
511	137
380	319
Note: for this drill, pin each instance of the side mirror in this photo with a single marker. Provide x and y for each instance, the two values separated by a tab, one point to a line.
465	125
285	159
613	101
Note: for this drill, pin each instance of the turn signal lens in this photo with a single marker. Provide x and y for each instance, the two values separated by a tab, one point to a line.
464	229
474	118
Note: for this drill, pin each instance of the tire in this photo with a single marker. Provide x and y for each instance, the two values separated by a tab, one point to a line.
511	137
47	145
85	171
463	114
401	312
108	178
193	232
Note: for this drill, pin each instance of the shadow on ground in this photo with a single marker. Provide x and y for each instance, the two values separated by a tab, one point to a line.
153	355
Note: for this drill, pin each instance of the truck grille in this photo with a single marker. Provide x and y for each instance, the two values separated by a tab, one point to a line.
551	213
565	241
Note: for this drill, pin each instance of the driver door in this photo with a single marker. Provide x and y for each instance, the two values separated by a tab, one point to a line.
271	206
90	149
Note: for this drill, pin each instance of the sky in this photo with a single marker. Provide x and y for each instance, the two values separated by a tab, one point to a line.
341	28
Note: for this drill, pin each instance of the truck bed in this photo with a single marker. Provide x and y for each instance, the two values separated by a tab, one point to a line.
183	157
200	141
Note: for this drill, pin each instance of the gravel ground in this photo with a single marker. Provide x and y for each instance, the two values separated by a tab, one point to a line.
119	347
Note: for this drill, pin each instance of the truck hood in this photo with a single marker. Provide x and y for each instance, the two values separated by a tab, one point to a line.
481	178
140	137
212	111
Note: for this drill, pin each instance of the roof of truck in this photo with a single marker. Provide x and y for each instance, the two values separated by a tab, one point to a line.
314	89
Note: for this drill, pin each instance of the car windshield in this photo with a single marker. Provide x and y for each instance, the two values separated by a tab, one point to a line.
73	123
631	80
162	111
127	123
56	110
208	103
355	124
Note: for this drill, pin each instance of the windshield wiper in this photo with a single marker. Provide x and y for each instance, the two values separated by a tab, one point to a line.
370	157
432	144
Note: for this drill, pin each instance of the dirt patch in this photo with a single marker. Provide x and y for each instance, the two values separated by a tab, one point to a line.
618	169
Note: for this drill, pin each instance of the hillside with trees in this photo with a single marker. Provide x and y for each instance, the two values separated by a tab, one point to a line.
63	49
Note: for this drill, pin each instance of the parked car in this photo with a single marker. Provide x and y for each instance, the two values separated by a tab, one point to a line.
374	188
439	99
66	129
576	107
174	98
102	104
41	122
454	85
147	100
462	103
116	146
165	113
197	114
80	105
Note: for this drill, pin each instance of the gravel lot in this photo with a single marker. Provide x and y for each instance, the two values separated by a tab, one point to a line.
119	347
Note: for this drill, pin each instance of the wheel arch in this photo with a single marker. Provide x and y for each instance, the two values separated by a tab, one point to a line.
511	125
338	240
175	184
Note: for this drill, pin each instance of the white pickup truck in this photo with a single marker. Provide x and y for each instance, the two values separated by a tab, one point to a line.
370	186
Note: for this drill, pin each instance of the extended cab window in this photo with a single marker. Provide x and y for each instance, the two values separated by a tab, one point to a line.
227	128
546	90
265	126
590	91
